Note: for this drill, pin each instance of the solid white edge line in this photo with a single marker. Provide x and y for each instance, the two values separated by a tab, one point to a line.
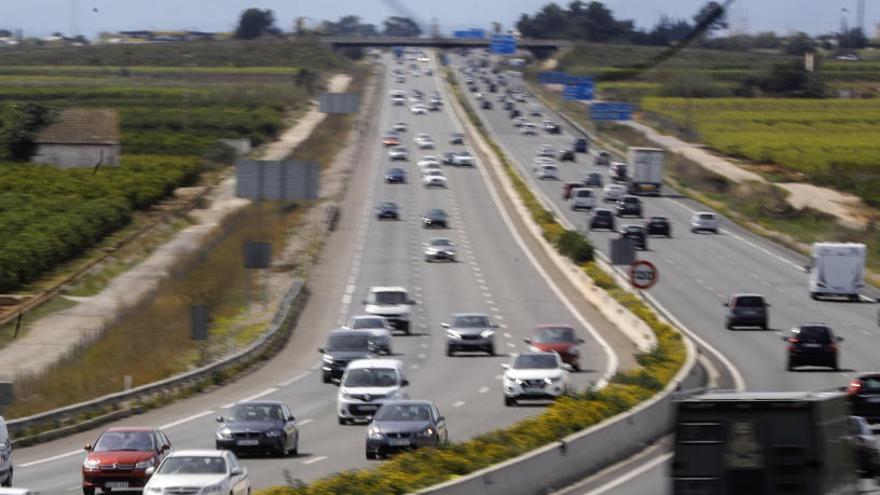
315	459
50	459
630	475
611	356
187	419
287	383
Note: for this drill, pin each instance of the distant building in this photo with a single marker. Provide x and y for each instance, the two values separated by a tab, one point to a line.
80	137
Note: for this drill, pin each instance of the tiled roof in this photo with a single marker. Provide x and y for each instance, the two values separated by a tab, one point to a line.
82	126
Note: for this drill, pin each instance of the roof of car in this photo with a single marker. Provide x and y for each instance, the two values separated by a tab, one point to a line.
553	325
131	428
456	315
382	288
261	402
197	453
746	294
433	239
375	363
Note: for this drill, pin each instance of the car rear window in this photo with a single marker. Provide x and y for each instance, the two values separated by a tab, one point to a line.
870	385
748	302
814	334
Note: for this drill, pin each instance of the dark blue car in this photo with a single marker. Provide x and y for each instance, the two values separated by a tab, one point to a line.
395	175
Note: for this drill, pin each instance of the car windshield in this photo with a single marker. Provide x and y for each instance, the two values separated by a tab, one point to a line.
749	302
633	229
436	213
389	297
359	323
871	385
814	334
535	361
707	216
554	335
371	377
434	173
115	441
398	171
470	321
257	412
603	213
347	342
658	219
388	206
404	412
193	465
441	242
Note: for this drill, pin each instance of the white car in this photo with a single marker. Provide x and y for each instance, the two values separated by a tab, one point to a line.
547	172
518	121
611	193
418	109
379	328
398	153
705	220
424	141
541	161
582	197
392	303
440	248
546	151
430	167
202	471
462	159
398	101
427	160
400	126
434	178
366	385
528	129
534	376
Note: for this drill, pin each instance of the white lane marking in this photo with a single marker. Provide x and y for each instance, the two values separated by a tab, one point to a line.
291	381
270	390
304	422
414	366
502	325
483	390
315	459
511	345
458	403
423	346
494	310
346	299
630	475
507	335
187	419
422	356
50	459
710	370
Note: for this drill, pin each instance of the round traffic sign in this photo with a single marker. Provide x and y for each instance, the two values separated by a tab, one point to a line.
643	274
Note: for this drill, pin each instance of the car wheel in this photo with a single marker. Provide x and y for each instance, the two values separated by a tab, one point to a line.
765	325
88	491
8	481
491	350
509	401
371	455
728	325
834	365
577	366
343	421
326	378
406	327
814	296
450	351
789	365
427	259
295	450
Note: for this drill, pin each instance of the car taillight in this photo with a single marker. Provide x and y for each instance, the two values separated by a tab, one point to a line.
854	387
831	347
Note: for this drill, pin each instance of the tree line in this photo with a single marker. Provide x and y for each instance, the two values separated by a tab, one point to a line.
256	23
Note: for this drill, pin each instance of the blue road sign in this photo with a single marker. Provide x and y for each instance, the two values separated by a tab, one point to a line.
611	111
502	44
578	88
473	33
551	77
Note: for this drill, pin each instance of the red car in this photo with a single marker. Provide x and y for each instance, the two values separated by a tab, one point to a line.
390	141
120	457
560	339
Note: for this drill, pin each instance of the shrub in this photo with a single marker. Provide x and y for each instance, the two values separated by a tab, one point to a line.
574	246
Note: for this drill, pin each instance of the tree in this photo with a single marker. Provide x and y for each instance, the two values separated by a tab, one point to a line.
349	25
798	44
713	15
853	39
255	23
19	125
401	26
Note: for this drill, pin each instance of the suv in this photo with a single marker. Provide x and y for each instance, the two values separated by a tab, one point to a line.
629	206
366	385
813	344
704	220
602	219
593	179
344	346
534	375
470	332
864	396
258	426
618	172
581	145
393	303
746	310
377	326
120	458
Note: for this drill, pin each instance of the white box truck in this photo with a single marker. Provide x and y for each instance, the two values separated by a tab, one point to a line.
647	170
837	269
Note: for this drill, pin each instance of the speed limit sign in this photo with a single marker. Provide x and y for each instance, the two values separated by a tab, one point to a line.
643	274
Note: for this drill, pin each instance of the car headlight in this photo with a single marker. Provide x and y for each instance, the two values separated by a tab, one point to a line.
212	489
487	333
224	433
427	432
534	349
573	351
453	334
327	359
553	379
431	251
154	489
374	433
273	433
145	463
394	394
91	463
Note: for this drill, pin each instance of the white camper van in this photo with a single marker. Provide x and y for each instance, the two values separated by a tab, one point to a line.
837	269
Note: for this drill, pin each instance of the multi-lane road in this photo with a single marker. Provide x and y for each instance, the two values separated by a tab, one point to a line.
493	275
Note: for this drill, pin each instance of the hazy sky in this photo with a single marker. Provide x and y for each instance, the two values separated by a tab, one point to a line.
41	17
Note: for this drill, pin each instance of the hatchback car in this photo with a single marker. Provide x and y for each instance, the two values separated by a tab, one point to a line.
435	217
813	344
637	233
120	458
395	176
405	425
629	206
457	138
704	221
378	328
746	310
528	129
258	426
387	211
864	396
486	105
200	471
366	385
434	178
470	332
552	127
567	156
343	346
602	218
560	339
547	172
440	249
613	192
658	226
398	153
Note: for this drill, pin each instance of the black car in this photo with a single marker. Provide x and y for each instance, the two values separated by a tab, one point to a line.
552	128
602	218
508	105
865	447
344	346
629	206
493	88
602	158
515	113
864	396
593	179
636	233
395	176
435	106
746	310
486	105
258	426
435	217
813	344
659	226
405	425
567	156
581	145
457	138
387	210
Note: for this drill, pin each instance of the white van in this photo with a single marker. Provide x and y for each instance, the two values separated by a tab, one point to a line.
366	385
582	198
5	455
837	269
613	192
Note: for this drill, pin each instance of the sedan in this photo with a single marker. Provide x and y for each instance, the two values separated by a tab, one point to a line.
398	153
552	128
427	160
560	339
528	129
547	172
258	426
434	178
435	217
141	449
462	159
440	249
404	425
658	226
567	156
395	176
387	211
629	206
390	140
400	127
864	396
203	471
704	220
636	233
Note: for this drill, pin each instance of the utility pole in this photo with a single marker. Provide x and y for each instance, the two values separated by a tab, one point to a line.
74	28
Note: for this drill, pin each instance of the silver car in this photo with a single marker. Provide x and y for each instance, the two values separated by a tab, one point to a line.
440	248
704	220
470	332
398	153
379	328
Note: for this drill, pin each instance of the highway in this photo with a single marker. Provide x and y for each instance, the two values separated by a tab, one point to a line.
697	274
493	275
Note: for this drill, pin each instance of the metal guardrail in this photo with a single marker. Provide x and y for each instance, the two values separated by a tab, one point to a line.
276	334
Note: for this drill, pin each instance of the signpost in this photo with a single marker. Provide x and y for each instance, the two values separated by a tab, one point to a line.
469	34
611	111
578	88
502	44
643	274
342	103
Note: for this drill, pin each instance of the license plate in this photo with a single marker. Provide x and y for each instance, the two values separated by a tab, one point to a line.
116	484
368	408
398	442
245	443
533	391
812	346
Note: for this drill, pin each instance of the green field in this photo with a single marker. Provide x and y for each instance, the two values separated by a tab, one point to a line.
829	142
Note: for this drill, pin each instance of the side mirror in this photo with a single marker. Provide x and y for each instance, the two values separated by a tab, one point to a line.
726	304
807	268
580	340
441	418
219	419
505	366
404	383
785	339
291	418
165	448
237	471
363	301
495	325
150	470
320	350
88	447
527	341
567	367
767	305
444	325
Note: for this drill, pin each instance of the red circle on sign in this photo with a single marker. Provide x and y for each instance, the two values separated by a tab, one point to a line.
643	274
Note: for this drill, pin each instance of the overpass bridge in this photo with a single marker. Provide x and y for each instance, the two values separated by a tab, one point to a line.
531	44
